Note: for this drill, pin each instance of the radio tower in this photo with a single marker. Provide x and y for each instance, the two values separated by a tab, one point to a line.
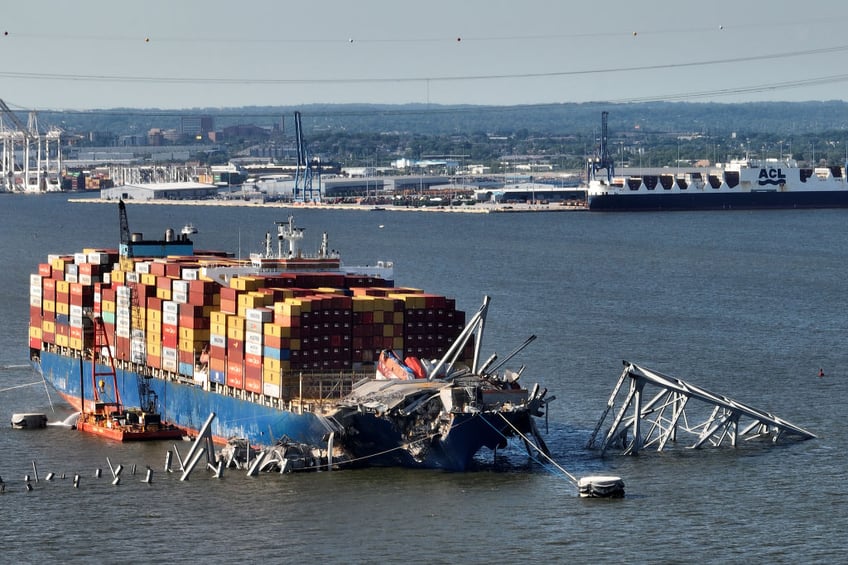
601	159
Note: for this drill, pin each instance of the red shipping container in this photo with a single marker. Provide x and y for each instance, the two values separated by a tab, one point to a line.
253	379
170	336
235	375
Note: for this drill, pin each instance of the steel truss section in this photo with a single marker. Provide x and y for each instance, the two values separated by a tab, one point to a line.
644	421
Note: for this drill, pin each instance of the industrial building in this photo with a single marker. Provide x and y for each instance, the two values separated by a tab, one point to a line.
161	191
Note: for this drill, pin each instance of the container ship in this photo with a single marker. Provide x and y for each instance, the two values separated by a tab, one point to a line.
273	346
738	185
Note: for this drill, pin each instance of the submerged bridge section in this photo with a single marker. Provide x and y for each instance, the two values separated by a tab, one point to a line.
657	408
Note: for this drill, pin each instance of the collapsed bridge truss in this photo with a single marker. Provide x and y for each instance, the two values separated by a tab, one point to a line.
716	420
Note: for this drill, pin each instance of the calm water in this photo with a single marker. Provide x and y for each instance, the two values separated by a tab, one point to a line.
749	304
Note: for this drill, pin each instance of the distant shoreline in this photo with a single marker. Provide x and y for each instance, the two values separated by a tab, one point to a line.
485	208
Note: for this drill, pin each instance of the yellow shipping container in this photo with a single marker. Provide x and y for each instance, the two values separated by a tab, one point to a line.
148	279
269	363
272	330
154	316
163	293
118	277
235	333
378	316
108	306
191	345
62	308
35	332
154	348
194	334
218	329
388	330
58	264
363	303
62	340
245	283
236	322
75	343
271	376
48	306
397	317
218	317
63	287
48	326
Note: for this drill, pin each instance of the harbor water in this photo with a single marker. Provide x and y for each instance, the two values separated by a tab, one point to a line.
747	304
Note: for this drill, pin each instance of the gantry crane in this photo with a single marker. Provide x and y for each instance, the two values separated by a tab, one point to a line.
601	159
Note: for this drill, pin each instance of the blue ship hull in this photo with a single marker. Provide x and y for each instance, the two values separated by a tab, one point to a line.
188	406
719	201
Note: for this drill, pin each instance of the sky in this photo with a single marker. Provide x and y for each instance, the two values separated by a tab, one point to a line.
187	54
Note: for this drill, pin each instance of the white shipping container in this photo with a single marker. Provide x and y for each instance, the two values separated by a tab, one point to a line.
218	340
75	310
271	389
71	269
259	314
35	280
80	258
253	337
169	353
35	301
252	326
191	274
71	278
132	278
142	267
179	296
35	291
253	348
123	291
98	258
170	307
170	319
180	286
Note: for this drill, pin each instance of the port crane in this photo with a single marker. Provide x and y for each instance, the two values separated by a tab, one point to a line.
601	159
303	190
35	169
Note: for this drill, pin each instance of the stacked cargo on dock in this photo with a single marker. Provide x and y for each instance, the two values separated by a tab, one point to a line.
163	315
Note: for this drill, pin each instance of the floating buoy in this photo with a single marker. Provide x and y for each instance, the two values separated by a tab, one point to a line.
601	487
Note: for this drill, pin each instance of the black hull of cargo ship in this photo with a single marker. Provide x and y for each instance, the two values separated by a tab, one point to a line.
764	200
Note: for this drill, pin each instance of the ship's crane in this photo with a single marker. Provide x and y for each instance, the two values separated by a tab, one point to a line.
146	395
126	237
601	159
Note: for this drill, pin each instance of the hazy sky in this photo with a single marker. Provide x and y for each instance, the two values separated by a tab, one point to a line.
211	53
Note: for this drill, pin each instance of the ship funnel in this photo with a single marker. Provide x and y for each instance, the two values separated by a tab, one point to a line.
169	234
136	236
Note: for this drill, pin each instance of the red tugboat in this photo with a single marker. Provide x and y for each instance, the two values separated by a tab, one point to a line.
109	418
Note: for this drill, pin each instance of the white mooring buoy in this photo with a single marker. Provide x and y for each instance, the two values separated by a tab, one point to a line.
601	487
